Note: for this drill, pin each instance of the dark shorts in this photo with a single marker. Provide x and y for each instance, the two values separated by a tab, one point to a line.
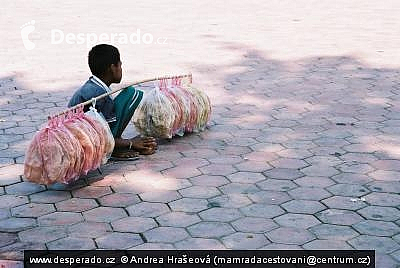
125	105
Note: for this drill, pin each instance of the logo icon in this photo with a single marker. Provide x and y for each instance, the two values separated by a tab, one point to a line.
26	29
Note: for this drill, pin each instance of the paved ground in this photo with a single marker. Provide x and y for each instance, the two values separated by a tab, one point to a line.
303	149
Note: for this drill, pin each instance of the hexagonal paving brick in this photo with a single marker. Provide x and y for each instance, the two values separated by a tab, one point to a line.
89	229
20	130
387	186
303	206
32	210
262	210
270	197
118	241
283	173
210	229
355	168
218	169
276	246
239	188
166	234
24	188
220	214
16	224
6	179
199	244
253	166
133	224
189	205
7	239
333	232
359	157
289	163
169	184
383	199
324	160
92	191
119	200
395	255
200	192
243	141
104	214
344	202
229	201
339	217
286	235
181	172
200	153
160	196
43	234
295	153
76	205
8	201
297	220
351	178
155	165
348	190
193	162
327	245
209	180
254	225
226	159
153	246
245	241
379	244
147	209
309	193
69	243
276	185
4	213
385	175
267	147
319	171
178	219
377	228
246	177
380	213
387	164
314	181
50	196
60	218
234	150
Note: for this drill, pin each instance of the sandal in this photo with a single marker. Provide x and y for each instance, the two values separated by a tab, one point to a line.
124	155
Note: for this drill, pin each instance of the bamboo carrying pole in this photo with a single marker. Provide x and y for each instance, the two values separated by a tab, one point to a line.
119	89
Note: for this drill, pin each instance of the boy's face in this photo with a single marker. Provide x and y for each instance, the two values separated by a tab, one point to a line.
116	70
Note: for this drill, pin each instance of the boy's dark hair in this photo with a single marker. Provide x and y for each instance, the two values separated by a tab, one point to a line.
101	57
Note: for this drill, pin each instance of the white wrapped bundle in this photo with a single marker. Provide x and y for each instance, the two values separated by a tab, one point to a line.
109	139
203	107
155	115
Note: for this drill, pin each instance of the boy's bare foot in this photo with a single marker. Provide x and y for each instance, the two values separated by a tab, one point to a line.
145	145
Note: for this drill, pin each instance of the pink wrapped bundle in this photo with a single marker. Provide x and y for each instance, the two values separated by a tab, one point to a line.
184	102
82	134
101	134
45	160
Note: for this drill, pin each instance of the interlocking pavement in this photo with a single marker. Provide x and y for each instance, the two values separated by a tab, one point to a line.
302	152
